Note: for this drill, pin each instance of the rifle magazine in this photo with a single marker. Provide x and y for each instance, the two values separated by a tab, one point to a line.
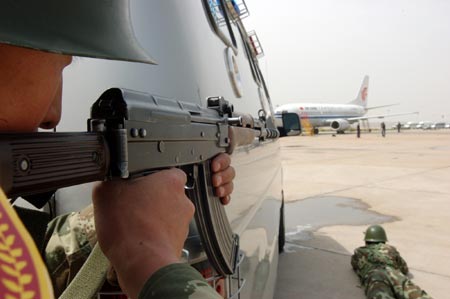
220	243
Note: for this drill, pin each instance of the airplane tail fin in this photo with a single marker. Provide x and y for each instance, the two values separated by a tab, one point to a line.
361	98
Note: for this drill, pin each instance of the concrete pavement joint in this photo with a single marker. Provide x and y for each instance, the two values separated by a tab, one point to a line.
317	248
349	255
410	190
375	185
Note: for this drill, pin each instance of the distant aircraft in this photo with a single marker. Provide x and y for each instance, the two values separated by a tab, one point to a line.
337	116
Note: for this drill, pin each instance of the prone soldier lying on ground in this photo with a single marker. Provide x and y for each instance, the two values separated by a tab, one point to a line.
382	270
37	41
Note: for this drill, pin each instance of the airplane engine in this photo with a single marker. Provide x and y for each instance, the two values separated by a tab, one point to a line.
340	125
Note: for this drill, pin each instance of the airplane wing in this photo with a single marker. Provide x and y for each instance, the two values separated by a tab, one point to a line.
379	116
382	106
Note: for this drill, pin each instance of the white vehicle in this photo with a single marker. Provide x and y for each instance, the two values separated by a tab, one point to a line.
338	117
202	49
424	125
438	125
410	125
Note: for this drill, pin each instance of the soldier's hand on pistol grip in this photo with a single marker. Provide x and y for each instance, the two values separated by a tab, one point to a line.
142	224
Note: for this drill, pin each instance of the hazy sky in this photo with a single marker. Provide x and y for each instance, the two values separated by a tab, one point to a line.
319	51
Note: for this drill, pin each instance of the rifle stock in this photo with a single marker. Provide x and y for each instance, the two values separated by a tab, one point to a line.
133	134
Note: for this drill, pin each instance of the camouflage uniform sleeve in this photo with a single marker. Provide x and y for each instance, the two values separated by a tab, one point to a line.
354	260
71	238
356	257
402	264
177	281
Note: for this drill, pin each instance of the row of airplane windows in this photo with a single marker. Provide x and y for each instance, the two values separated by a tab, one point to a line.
325	108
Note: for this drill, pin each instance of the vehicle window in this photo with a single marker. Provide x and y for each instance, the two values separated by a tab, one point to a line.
248	52
219	16
238	9
255	45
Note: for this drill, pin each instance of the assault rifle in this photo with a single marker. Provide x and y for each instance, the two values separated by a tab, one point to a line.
132	134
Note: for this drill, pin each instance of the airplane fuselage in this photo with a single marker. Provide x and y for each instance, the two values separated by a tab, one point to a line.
338	117
319	115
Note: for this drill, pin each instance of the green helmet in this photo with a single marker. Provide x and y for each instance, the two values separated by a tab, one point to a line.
91	28
375	233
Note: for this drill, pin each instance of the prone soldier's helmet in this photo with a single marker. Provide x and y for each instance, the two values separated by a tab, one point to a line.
375	233
99	28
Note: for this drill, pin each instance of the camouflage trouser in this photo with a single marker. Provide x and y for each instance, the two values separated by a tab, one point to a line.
389	283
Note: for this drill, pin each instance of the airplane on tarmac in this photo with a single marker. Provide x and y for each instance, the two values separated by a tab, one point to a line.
337	116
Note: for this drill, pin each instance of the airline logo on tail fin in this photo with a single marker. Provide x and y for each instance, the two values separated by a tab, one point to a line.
364	94
361	98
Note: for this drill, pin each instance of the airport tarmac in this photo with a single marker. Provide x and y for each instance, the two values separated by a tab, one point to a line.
336	186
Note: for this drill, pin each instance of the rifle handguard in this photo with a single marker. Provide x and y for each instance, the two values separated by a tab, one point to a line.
33	163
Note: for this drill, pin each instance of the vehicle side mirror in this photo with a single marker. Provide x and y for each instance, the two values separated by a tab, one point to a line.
291	125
